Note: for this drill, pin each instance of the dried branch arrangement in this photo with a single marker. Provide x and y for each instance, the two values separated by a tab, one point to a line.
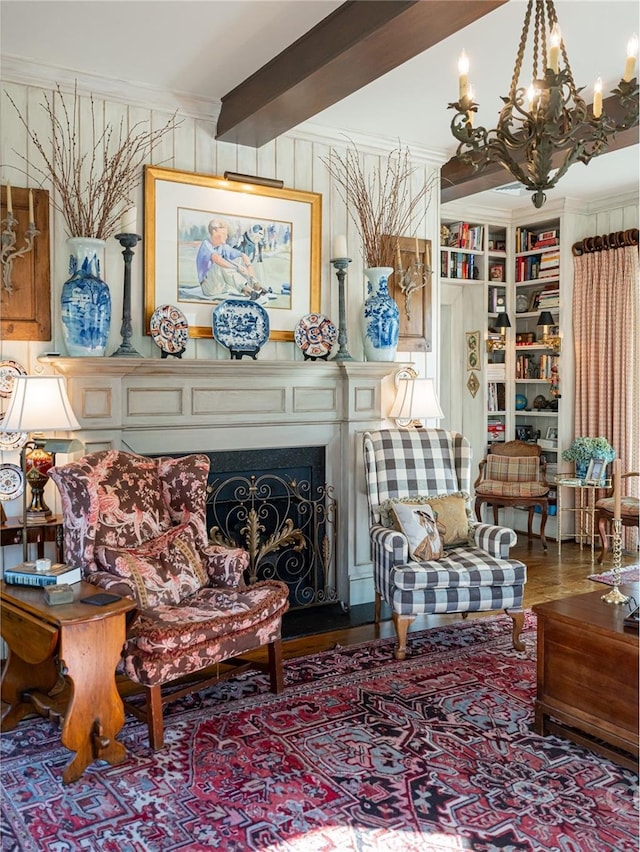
91	189
381	206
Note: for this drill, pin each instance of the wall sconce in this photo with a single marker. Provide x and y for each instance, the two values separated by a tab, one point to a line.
502	323
545	321
39	403
9	251
416	400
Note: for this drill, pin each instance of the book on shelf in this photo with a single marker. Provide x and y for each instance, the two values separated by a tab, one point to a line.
26	574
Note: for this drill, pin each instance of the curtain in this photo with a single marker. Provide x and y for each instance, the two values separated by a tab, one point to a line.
605	321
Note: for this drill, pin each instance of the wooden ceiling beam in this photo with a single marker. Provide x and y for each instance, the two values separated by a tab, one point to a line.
460	181
355	45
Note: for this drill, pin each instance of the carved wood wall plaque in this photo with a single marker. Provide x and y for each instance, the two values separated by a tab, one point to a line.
25	313
415	325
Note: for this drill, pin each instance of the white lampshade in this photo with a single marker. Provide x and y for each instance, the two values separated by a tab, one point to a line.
416	399
39	404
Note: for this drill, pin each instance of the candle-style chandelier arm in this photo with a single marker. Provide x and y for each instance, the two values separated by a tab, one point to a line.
543	130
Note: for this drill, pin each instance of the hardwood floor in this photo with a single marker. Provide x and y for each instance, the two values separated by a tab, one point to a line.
548	577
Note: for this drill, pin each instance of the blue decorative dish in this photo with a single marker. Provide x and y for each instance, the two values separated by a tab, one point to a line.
241	326
521	402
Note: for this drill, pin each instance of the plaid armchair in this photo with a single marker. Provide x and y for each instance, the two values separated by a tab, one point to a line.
137	527
418	484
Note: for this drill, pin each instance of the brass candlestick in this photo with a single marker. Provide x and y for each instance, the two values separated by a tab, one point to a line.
615	596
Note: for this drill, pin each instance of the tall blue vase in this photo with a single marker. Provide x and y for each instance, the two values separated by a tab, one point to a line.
381	317
86	300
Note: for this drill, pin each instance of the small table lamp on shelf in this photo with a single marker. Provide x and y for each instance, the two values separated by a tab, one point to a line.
39	404
416	400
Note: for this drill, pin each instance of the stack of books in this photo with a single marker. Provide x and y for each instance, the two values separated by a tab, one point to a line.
549	265
549	298
26	574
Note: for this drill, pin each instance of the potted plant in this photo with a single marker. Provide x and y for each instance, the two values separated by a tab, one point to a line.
582	450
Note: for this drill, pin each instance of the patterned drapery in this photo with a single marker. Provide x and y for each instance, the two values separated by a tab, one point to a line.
605	321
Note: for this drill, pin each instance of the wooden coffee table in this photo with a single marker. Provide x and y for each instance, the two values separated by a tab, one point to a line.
62	662
588	674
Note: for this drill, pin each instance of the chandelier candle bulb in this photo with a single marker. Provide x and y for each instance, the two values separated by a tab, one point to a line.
31	216
128	221
597	98
463	71
554	49
632	53
339	246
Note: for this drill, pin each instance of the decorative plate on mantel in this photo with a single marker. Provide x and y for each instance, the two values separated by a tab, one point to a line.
315	335
241	326
169	329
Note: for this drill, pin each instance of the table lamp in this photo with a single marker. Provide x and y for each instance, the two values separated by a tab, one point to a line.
39	404
416	400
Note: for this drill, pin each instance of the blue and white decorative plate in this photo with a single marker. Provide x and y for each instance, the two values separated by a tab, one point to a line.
240	325
315	335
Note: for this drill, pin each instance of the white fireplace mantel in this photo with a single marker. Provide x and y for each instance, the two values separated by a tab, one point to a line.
174	406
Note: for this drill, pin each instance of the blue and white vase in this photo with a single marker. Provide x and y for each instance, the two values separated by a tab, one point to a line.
86	300
381	317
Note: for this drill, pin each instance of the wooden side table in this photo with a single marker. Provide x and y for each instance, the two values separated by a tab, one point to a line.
62	662
51	530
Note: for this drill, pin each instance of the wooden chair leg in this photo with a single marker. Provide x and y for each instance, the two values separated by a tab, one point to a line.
603	526
401	623
276	674
530	523
495	514
517	616
543	523
154	717
377	608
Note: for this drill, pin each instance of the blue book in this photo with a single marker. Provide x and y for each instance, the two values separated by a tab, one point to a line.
26	574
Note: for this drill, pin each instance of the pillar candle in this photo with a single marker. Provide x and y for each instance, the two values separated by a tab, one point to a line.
31	216
417	250
128	221
617	489
9	202
463	71
630	64
340	246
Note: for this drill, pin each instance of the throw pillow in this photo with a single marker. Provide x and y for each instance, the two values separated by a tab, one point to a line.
418	523
454	524
163	571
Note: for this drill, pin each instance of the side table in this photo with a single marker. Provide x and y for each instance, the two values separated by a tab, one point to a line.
62	664
51	530
585	510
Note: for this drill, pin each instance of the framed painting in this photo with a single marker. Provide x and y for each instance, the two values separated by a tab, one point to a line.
412	294
207	239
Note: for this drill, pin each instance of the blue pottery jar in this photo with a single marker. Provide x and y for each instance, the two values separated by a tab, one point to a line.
86	300
381	317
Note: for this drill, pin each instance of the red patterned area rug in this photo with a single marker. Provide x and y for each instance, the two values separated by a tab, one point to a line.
630	574
360	752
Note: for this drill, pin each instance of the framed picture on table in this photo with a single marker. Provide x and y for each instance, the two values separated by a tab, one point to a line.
207	239
596	471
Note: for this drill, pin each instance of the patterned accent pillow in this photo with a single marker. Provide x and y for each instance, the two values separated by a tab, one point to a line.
163	571
512	469
418	523
451	511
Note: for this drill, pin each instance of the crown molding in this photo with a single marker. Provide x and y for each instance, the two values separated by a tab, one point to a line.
30	73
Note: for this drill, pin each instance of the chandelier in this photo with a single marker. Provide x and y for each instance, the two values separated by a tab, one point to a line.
545	128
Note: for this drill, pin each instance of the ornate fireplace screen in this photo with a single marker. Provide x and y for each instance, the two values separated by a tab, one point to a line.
288	529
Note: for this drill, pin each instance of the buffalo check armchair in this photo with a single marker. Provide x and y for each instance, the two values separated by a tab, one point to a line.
137	527
429	557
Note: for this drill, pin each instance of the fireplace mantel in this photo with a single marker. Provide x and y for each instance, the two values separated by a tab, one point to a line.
180	406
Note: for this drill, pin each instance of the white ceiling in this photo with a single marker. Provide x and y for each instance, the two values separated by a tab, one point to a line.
203	48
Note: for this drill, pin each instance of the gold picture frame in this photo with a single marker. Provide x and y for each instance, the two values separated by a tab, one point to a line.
277	230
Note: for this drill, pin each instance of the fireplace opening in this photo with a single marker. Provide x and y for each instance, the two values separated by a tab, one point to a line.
276	504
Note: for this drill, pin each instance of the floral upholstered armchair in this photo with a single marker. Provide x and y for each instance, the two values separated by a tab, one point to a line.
428	556
137	527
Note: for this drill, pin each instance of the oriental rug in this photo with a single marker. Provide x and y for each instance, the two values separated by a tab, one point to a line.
631	574
361	752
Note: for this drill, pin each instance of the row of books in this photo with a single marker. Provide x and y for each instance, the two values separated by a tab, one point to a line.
528	366
458	265
548	299
466	236
27	574
528	240
529	269
495	396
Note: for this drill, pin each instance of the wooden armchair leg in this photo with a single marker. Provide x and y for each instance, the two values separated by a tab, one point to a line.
543	524
401	623
276	675
154	717
377	608
603	525
517	616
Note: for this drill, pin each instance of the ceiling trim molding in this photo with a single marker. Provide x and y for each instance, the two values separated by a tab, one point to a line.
37	74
